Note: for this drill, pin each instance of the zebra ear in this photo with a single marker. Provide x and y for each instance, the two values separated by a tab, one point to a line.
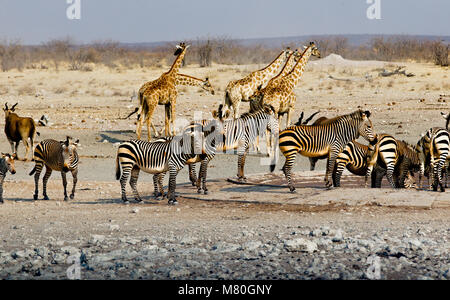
215	114
3	155
227	114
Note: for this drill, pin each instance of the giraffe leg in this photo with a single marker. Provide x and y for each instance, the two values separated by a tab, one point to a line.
173	117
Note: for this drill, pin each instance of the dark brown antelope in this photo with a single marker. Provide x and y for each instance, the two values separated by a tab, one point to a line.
19	129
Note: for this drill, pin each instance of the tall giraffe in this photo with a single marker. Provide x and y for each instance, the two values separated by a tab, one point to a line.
183	80
281	96
240	90
161	91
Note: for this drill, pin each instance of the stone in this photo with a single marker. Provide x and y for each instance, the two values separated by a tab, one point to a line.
300	245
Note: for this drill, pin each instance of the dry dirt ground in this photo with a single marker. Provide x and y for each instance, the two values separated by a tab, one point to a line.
255	231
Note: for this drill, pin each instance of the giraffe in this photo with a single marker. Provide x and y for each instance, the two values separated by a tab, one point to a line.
188	80
161	91
240	90
185	80
281	95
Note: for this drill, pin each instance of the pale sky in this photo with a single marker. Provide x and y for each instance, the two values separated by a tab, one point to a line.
36	21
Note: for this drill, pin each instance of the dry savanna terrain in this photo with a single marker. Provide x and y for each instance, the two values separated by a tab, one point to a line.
253	231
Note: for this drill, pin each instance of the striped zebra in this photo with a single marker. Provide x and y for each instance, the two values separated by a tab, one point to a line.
433	149
354	158
6	164
59	156
323	139
242	132
328	138
203	159
397	159
164	155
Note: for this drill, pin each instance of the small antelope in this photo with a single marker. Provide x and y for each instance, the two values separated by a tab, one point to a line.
59	156
6	164
19	129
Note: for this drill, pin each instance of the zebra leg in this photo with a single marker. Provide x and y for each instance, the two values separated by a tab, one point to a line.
438	171
312	163
2	178
287	168
390	174
337	173
64	180
330	166
75	180
133	183
241	164
192	174
38	166
48	172
202	177
172	185
123	182
158	189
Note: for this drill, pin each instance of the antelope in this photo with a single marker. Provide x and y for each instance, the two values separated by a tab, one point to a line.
19	129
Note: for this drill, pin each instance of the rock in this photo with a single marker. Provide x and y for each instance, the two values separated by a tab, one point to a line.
251	245
300	245
96	239
114	227
414	244
225	247
337	236
70	250
177	273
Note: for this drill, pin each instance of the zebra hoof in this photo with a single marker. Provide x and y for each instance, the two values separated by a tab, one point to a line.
205	192
199	191
72	196
173	202
35	197
292	190
66	198
46	197
1	201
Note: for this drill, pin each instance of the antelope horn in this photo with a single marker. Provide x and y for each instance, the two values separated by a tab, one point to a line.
14	106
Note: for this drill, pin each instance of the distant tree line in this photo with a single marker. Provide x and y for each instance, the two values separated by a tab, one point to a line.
205	51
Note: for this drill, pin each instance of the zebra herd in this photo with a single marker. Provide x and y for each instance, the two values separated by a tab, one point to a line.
333	139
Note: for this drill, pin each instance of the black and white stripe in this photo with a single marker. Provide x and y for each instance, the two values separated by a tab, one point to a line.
433	149
170	154
59	156
328	138
6	164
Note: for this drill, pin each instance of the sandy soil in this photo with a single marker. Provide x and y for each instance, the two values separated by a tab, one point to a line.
90	105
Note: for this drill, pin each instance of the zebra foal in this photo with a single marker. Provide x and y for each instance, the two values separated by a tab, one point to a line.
59	156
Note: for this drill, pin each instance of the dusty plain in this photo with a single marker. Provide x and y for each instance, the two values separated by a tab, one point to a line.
255	231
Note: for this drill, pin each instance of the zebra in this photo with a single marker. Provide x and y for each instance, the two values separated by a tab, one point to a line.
163	155
434	148
354	158
242	132
396	159
56	156
324	139
204	159
6	164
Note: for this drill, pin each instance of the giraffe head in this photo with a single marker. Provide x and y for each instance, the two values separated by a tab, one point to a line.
287	52
206	85
314	50
180	48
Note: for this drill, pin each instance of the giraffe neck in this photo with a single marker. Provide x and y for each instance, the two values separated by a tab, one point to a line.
293	77
188	80
286	69
273	67
177	64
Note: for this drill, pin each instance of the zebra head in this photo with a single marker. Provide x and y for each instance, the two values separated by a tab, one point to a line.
69	153
365	127
9	161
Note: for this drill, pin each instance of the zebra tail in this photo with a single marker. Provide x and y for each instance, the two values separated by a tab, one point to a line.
118	173
33	171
